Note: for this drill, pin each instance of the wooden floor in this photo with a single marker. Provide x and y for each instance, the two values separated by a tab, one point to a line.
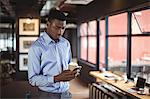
79	89
19	89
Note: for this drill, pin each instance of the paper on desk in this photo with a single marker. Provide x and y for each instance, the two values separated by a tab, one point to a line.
109	76
131	91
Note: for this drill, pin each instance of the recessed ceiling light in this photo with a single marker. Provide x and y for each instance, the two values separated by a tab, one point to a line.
84	2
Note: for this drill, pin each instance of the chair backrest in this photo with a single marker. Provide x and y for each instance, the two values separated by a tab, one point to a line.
98	92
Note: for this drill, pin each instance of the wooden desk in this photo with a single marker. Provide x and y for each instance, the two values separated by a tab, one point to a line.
120	84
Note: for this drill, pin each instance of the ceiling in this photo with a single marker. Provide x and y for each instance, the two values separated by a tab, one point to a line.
10	9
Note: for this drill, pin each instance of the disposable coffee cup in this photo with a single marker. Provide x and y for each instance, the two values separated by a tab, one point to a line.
73	66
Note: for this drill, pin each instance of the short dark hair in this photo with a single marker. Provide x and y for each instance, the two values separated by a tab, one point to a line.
56	14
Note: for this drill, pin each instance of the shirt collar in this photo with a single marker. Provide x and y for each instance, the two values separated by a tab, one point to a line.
48	39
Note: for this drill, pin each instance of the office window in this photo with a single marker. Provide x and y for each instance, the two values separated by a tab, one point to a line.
117	42
92	42
118	24
92	28
88	41
140	45
141	57
92	49
102	44
83	52
83	29
117	53
83	41
7	42
140	23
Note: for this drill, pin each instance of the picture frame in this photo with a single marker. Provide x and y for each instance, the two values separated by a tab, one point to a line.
25	43
23	62
28	26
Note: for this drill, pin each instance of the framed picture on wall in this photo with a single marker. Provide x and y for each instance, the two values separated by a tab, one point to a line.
28	26
23	62
25	43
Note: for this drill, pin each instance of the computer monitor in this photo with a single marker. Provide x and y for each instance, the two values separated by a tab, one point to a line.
140	82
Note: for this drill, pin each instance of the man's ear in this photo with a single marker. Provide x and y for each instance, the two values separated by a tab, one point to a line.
48	23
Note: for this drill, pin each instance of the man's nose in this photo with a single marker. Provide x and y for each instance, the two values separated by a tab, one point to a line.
59	32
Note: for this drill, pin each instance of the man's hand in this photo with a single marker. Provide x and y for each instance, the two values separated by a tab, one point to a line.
66	75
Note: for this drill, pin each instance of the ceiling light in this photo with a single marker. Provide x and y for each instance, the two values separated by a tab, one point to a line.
71	25
84	2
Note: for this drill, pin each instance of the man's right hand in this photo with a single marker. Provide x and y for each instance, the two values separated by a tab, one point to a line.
66	75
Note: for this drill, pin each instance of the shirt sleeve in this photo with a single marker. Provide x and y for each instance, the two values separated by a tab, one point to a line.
34	69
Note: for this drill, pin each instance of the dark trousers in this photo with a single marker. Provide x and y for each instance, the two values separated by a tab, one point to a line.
49	95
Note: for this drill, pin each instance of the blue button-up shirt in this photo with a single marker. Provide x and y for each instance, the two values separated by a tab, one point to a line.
47	59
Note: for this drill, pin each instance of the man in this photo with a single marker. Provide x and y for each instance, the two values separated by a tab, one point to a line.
49	57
